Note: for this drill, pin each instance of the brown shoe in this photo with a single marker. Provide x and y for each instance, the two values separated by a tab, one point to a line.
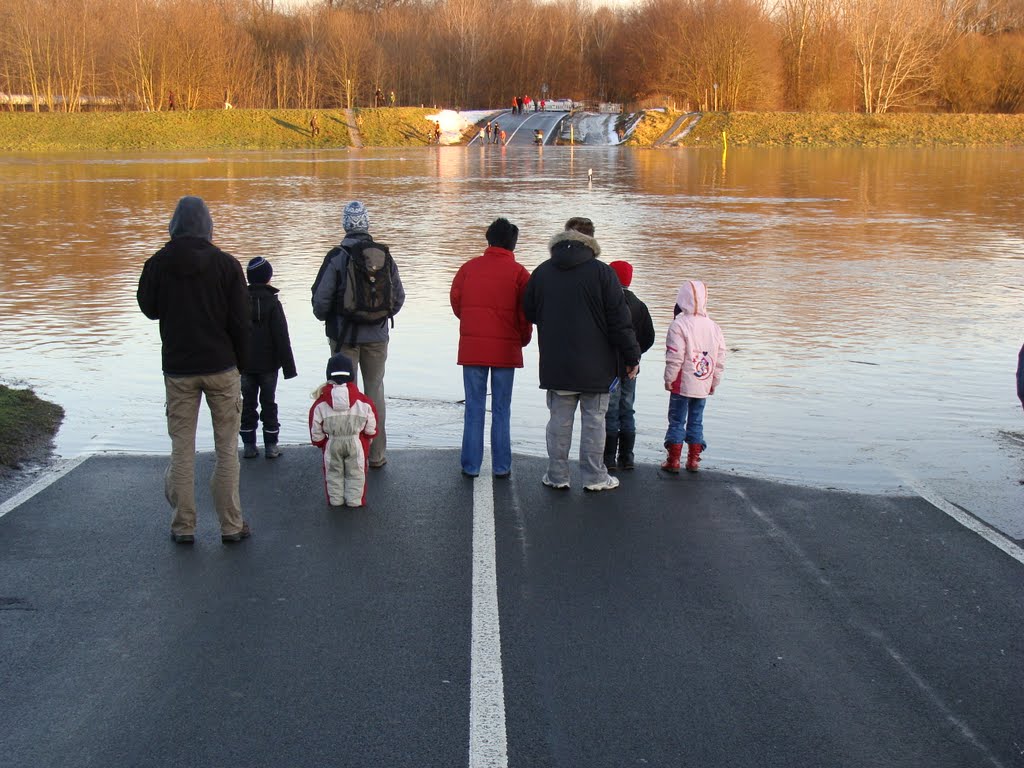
230	538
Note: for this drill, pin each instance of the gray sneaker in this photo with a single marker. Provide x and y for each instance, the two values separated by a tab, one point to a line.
250	451
552	484
272	451
604	485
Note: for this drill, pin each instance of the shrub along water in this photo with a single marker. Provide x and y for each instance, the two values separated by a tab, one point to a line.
27	427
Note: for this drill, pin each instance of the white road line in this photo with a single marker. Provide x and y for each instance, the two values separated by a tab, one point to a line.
966	520
488	746
48	478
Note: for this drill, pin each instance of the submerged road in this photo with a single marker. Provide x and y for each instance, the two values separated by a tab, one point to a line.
698	620
519	129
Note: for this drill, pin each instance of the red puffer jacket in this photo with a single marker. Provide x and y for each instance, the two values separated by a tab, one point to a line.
487	297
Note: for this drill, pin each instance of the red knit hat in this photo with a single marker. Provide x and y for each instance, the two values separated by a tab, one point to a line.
624	270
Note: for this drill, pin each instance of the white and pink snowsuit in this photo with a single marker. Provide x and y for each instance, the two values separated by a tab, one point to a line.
341	423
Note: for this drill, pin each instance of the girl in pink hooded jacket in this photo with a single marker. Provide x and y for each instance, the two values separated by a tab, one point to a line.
694	360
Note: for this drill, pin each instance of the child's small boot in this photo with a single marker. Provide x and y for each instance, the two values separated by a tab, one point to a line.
249	449
611	440
671	464
626	442
693	456
270	445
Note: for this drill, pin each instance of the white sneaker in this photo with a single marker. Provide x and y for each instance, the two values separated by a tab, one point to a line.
551	484
604	485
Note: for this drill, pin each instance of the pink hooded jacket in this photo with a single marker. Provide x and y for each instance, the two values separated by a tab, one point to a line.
694	346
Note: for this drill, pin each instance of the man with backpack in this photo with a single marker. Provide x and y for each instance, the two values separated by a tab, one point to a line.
357	293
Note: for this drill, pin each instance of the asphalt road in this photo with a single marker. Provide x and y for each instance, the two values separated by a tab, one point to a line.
519	129
698	620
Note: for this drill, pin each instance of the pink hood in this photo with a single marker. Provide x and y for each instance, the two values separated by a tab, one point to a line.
694	345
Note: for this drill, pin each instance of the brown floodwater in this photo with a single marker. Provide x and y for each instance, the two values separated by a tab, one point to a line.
870	297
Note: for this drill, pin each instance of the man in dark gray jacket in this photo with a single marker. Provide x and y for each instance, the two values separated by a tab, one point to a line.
583	326
365	344
198	294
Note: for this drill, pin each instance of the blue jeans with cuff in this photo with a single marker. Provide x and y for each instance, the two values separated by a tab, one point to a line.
685	420
474	379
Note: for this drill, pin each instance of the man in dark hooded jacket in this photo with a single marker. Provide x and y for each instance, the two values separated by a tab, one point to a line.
199	295
583	326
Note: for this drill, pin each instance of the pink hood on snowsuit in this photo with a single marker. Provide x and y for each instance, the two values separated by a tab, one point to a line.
694	345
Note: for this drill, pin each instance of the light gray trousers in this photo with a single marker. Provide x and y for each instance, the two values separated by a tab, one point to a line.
562	409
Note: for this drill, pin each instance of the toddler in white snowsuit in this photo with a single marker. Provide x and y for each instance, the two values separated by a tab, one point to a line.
342	421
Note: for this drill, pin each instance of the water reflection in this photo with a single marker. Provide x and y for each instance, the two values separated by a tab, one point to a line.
870	295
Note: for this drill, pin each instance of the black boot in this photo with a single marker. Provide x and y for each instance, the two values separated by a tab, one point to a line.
626	441
270	449
249	450
611	439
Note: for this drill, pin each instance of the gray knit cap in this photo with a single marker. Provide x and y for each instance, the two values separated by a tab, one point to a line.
355	218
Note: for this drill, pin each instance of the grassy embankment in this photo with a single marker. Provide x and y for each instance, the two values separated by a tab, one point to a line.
27	427
408	127
208	129
814	129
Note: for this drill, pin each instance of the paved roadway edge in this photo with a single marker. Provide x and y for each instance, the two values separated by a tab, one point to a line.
967	520
48	478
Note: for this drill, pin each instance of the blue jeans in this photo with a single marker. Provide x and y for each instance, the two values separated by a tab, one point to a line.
474	378
685	420
620	416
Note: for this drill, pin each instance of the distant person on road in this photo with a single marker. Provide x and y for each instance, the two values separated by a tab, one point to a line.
497	133
488	130
270	350
198	294
487	297
694	361
503	137
620	421
342	422
583	330
437	133
357	293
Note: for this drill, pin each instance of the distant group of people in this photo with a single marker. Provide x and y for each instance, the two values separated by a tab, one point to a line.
520	103
493	134
225	337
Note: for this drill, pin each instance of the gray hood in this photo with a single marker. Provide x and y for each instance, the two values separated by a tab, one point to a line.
191	219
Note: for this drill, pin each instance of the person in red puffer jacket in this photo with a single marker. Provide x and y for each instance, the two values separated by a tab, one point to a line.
486	296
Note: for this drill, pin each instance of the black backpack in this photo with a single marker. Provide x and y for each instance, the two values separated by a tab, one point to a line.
366	294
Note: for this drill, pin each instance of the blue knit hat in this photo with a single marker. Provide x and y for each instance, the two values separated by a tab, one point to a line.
259	271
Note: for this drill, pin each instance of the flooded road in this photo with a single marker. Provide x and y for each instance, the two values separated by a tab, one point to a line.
870	297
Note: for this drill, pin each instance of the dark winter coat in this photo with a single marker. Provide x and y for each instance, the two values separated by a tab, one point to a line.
487	297
198	294
643	325
270	348
583	324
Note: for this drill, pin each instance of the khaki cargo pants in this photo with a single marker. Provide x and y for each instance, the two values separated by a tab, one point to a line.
224	397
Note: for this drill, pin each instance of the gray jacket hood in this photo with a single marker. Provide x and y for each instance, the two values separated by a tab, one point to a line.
191	219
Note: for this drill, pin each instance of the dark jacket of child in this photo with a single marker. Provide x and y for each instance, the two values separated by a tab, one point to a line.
270	347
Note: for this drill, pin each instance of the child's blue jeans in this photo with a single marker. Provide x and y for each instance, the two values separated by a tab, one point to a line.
685	420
